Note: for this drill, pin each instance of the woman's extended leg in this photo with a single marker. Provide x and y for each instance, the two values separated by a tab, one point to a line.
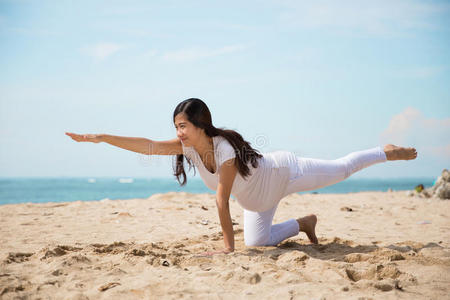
317	173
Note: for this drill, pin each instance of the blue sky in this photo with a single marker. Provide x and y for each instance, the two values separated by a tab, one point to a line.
319	78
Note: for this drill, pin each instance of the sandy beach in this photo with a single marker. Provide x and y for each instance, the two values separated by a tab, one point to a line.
372	245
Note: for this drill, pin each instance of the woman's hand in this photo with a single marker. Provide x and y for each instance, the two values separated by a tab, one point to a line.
211	253
93	138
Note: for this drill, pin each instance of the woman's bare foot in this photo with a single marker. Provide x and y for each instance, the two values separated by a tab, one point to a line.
308	225
399	153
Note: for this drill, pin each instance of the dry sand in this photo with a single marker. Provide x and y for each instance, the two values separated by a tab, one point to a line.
388	246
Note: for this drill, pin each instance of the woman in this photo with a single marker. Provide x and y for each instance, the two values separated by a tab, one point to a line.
229	165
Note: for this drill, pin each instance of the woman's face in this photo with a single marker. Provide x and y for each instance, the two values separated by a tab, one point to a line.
186	131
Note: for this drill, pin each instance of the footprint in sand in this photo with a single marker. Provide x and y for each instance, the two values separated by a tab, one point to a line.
114	248
13	284
58	251
357	257
17	257
378	272
76	260
294	258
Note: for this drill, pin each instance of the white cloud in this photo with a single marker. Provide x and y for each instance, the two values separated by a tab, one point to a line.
412	128
382	17
196	53
401	125
102	51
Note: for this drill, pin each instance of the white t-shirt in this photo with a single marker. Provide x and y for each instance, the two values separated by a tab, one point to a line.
265	185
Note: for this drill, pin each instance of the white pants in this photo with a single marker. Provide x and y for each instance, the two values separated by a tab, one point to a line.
317	173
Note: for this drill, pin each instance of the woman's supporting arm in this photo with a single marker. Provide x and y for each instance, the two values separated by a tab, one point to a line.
226	178
226	223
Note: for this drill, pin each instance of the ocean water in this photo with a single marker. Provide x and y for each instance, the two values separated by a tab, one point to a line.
66	189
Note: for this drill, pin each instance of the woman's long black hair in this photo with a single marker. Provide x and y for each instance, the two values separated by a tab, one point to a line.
198	114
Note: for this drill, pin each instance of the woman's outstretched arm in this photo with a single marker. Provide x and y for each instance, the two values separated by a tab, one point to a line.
135	144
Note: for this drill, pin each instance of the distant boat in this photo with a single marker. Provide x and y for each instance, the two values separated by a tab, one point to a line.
91	180
126	180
